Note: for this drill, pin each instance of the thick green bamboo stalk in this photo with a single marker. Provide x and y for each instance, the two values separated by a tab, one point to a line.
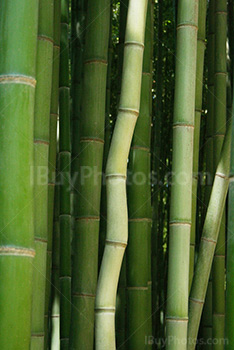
86	233
208	241
117	218
201	46
18	33
139	206
229	320
182	162
65	180
218	275
52	157
210	171
41	152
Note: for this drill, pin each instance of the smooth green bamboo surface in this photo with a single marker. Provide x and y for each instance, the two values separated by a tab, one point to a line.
87	211
182	164
55	302
117	218
41	152
17	92
120	315
229	320
208	241
52	157
209	154
139	207
65	180
201	46
218	275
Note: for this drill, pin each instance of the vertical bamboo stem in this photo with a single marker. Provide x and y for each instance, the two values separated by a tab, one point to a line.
86	233
201	46
218	275
52	157
208	241
65	180
117	220
139	204
18	33
181	193
41	153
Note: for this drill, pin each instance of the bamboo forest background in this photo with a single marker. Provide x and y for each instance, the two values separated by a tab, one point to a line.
116	174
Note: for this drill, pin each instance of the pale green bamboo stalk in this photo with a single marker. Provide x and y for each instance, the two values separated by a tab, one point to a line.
201	46
41	153
18	42
218	274
117	218
182	163
208	241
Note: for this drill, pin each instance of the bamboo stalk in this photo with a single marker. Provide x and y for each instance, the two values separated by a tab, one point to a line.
181	192
18	33
65	180
229	320
139	206
218	275
52	158
41	151
207	312
201	46
55	303
86	233
208	241
117	225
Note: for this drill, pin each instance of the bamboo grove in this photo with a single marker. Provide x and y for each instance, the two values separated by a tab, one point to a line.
116	174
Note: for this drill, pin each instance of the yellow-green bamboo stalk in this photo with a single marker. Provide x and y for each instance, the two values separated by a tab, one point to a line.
208	241
18	39
182	163
41	153
117	218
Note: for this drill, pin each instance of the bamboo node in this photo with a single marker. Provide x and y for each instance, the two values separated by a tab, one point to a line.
88	218
92	139
136	43
208	240
93	61
129	110
116	243
57	47
18	79
103	309
221	73
83	295
219	315
140	220
177	223
220	12
223	176
176	319
118	176
17	251
45	38
187	25
137	288
37	335
197	301
42	142
219	256
183	125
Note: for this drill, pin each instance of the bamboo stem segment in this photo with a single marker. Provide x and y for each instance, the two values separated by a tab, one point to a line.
117	218
182	164
18	33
